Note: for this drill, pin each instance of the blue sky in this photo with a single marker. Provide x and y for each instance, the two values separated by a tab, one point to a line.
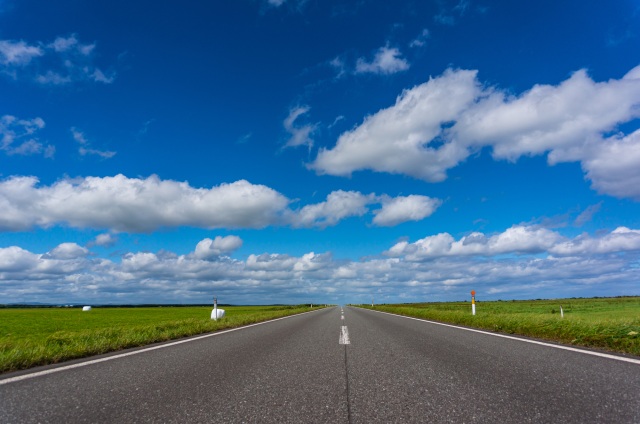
286	151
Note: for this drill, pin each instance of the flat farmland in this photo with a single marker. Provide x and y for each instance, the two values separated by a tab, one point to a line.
38	336
603	323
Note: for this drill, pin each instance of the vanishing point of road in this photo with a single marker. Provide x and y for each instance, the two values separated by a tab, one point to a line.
332	366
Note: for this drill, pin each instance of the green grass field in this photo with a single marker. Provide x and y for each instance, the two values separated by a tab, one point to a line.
39	336
604	323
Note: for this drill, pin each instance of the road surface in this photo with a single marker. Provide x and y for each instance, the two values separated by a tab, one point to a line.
331	366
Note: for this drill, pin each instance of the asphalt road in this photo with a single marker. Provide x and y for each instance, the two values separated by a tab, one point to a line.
319	367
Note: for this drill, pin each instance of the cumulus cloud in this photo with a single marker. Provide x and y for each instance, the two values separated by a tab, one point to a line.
612	165
60	62
518	262
300	135
519	240
339	205
386	61
436	125
136	205
122	204
209	249
622	239
104	240
18	137
405	208
396	140
68	251
14	258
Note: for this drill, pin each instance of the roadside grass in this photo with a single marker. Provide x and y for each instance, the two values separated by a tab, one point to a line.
38	336
603	323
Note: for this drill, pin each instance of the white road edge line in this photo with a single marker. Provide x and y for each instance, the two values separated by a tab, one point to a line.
504	336
148	349
344	336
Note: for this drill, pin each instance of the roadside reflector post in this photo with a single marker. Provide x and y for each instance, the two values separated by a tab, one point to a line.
561	312
473	302
216	313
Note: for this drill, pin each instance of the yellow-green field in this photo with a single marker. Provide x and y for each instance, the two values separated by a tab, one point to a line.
604	323
39	336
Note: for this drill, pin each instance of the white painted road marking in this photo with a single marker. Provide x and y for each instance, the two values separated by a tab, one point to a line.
572	349
344	335
122	355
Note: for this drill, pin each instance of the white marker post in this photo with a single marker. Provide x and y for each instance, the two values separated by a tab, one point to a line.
473	302
216	313
561	312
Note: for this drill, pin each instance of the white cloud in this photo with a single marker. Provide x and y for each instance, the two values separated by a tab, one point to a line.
622	239
14	258
612	165
18	53
105	240
98	76
520	240
387	60
396	139
312	262
546	118
79	136
63	61
421	39
122	204
85	148
448	17
405	208
53	78
300	135
587	215
270	262
211	249
436	125
339	205
338	64
518	262
68	251
65	44
136	205
18	136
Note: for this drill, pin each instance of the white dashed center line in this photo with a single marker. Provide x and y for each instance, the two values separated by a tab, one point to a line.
344	335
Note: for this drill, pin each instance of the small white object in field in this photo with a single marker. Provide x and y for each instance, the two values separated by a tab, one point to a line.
86	308
219	312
